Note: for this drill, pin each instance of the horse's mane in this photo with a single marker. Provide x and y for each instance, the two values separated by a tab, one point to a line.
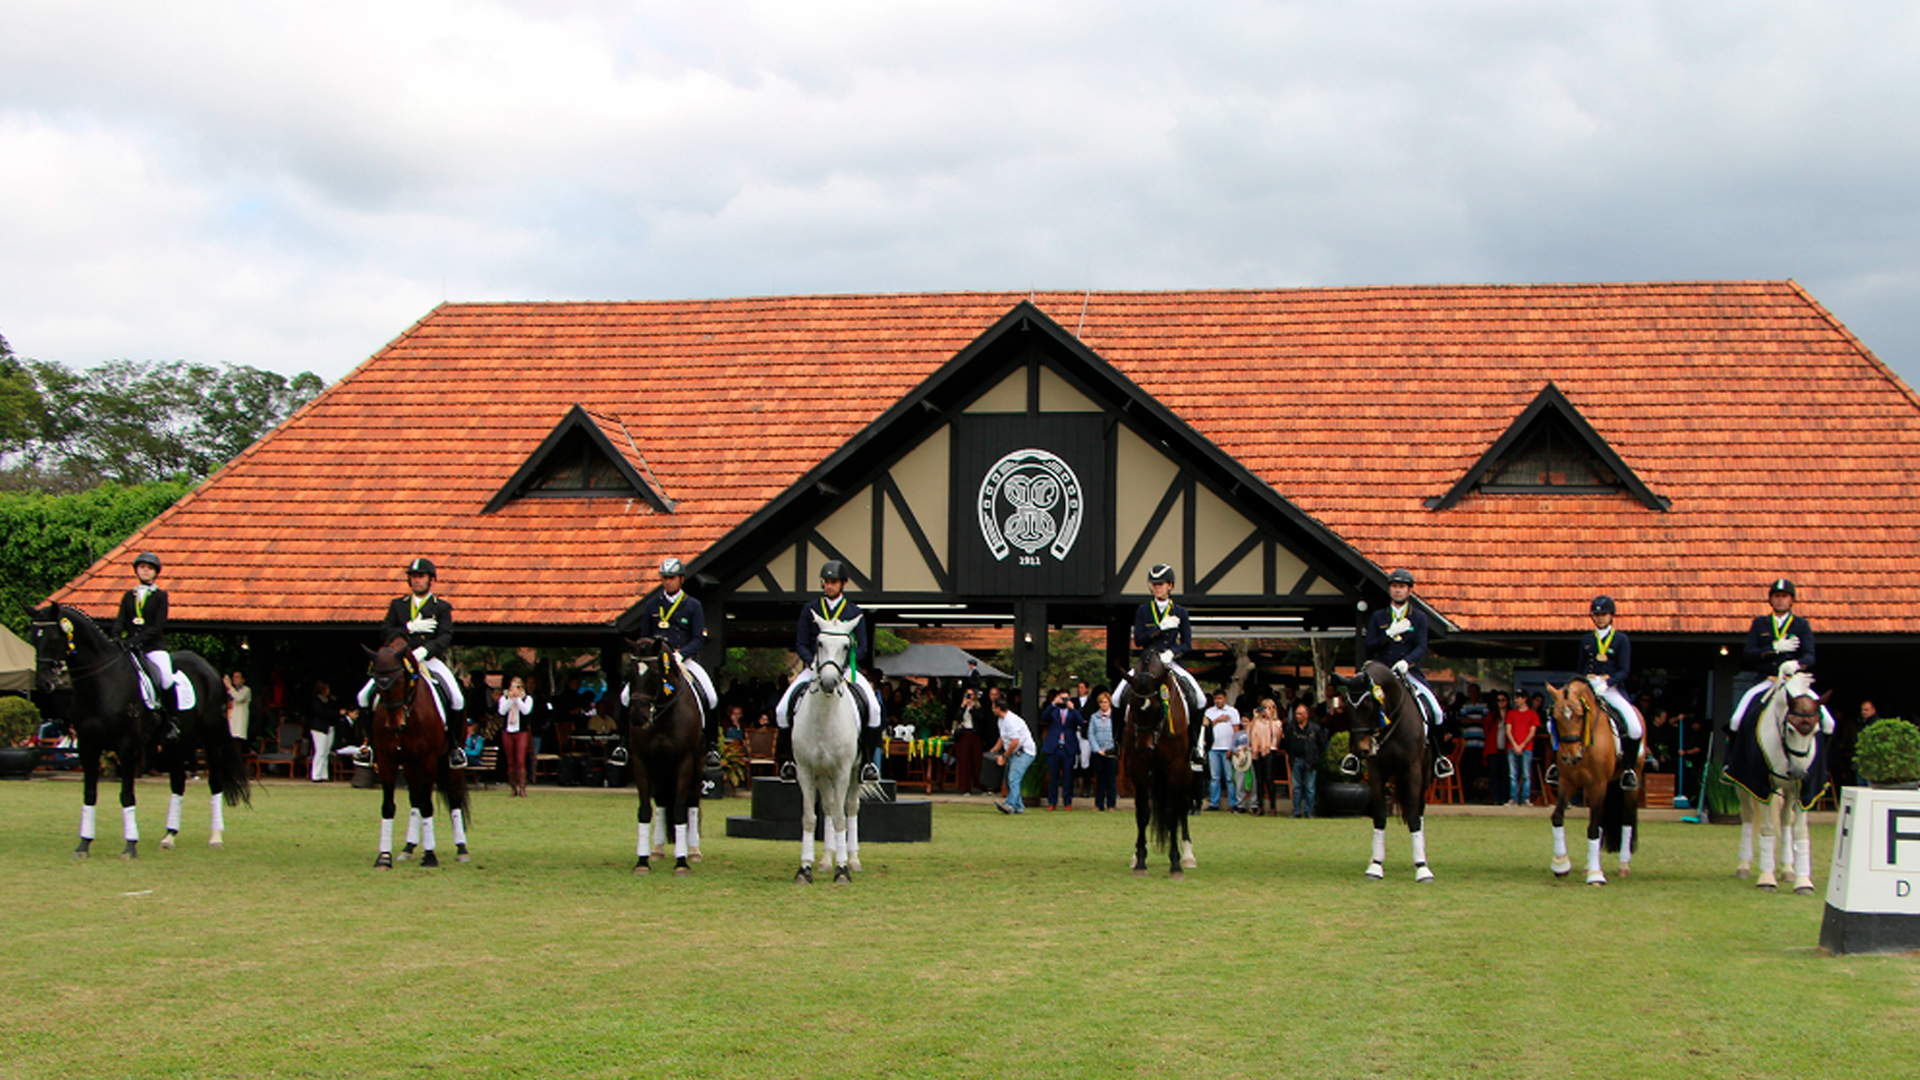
85	626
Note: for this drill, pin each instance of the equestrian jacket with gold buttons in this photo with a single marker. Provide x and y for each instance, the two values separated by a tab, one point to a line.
1769	628
1409	644
806	634
1605	652
679	621
142	622
1148	633
404	609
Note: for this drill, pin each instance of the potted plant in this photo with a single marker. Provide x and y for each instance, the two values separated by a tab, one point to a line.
733	764
1887	753
1341	795
19	730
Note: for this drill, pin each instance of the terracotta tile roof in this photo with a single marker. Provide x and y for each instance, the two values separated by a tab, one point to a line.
1783	443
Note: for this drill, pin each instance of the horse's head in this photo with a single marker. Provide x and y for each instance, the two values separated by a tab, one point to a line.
1571	714
51	633
833	650
392	670
1798	724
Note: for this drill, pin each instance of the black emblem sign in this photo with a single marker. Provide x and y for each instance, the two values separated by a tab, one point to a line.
1029	505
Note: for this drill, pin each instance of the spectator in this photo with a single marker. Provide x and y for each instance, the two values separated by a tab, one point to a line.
516	737
969	718
1242	794
239	708
1663	741
1014	750
1519	725
1223	723
323	713
1264	739
1470	713
1061	744
1106	753
1305	743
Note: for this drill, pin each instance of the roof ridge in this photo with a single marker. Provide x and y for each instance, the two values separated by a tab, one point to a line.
1875	362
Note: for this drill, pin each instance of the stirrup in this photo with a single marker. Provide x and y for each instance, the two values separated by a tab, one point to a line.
618	757
456	758
786	770
1442	767
713	759
1629	780
363	756
869	773
1349	766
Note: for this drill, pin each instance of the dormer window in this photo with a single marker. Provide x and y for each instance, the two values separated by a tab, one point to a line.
586	455
1550	449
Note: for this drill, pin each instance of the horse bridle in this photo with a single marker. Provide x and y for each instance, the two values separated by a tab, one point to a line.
821	664
387	680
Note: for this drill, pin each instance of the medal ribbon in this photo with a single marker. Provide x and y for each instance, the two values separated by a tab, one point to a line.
1603	642
1780	628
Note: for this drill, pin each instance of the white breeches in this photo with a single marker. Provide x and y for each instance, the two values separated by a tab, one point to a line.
182	688
783	712
696	674
441	674
1754	693
1636	728
1433	712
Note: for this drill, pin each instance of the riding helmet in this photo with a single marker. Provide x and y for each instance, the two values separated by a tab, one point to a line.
672	568
1781	586
1400	577
422	566
833	570
1602	605
148	558
1160	572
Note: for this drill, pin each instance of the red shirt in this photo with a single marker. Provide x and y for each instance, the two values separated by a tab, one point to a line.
1523	723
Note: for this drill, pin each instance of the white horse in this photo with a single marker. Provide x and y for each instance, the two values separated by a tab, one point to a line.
826	744
1779	768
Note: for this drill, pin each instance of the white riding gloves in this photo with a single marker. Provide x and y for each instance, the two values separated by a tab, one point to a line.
1789	668
420	654
1166	657
1397	628
1400	667
1598	682
1790	643
423	626
1171	622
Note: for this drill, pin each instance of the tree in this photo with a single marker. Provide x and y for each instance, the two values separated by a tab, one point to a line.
1069	655
47	540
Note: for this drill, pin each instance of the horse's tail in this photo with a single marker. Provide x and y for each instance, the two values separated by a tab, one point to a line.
1618	809
1163	814
225	763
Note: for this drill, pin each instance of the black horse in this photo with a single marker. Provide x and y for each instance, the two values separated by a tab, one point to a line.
664	721
1384	708
1155	753
409	737
109	714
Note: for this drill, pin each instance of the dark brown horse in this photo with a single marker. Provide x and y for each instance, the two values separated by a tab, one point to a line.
409	736
1154	751
1586	760
1384	706
664	721
109	714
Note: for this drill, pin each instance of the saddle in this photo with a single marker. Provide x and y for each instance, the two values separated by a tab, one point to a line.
149	678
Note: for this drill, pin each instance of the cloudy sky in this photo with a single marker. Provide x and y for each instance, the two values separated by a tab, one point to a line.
290	185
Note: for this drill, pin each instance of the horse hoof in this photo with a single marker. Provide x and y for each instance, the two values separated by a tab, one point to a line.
429	861
1803	890
406	856
217	842
1422	876
680	868
842	876
641	869
854	865
463	857
1562	866
1625	870
1596	878
1176	875
804	876
166	842
1743	873
1376	872
80	853
1767	886
131	853
384	861
693	856
659	852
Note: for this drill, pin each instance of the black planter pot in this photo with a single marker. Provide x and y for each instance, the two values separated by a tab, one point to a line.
17	762
1344	798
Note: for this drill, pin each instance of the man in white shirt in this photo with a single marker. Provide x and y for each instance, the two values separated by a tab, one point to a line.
1224	721
1014	749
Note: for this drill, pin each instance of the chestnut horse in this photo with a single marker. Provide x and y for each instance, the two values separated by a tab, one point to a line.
1781	752
109	713
1154	751
1586	760
665	731
409	736
1396	755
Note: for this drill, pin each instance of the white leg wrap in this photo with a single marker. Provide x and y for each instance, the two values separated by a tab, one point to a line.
853	837
1593	855
174	803
1559	841
1420	847
679	842
426	833
640	849
1379	845
806	845
459	828
1626	844
659	827
413	827
86	821
693	829
1767	852
218	817
386	836
1746	841
129	825
839	847
1803	858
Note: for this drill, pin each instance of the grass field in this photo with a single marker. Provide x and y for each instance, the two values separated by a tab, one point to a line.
1007	947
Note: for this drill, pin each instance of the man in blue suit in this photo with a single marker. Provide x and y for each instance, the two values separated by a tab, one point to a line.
1061	745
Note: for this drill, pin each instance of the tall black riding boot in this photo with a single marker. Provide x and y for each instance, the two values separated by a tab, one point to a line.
869	742
457	738
1630	757
710	738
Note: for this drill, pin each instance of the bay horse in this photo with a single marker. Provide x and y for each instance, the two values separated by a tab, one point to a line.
665	733
110	715
1778	761
409	735
1154	750
1397	754
826	748
1586	760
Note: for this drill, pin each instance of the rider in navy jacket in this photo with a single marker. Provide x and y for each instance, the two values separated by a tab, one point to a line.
1162	625
1606	657
834	605
1774	641
1397	637
676	619
142	625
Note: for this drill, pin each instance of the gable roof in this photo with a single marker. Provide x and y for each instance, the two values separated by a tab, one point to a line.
1780	440
607	439
1550	406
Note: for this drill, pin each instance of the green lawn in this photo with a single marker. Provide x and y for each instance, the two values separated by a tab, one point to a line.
1007	947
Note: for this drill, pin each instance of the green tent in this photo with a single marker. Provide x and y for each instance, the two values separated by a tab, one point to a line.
16	663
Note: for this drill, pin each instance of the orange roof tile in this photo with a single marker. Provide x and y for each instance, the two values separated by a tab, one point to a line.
1783	443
